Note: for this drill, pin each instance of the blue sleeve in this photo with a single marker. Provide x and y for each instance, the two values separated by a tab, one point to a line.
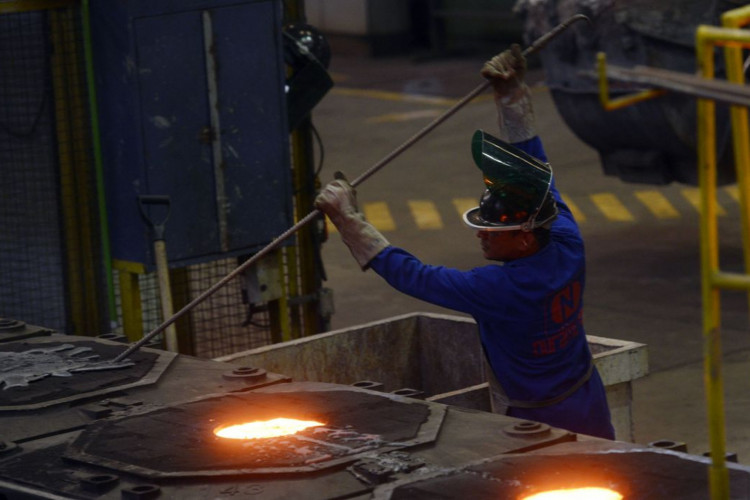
533	147
463	291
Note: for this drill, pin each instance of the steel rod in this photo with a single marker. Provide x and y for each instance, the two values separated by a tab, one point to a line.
685	83
534	47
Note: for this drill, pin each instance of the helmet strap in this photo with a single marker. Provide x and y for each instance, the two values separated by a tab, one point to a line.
528	226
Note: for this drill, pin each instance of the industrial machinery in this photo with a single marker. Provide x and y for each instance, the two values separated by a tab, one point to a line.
165	425
652	142
203	105
186	113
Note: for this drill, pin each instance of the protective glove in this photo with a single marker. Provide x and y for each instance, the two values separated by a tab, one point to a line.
515	114
338	201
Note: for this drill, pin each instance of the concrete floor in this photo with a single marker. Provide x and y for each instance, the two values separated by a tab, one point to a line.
643	277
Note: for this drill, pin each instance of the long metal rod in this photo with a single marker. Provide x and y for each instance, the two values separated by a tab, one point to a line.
718	90
534	47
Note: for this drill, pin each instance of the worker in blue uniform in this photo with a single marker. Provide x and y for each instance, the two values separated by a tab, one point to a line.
528	301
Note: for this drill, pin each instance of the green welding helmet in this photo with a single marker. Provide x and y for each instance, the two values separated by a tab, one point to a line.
517	194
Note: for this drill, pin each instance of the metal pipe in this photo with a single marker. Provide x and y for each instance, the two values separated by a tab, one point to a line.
717	90
621	102
98	162
740	18
712	369
537	45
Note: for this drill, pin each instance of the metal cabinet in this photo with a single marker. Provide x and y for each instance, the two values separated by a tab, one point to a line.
192	106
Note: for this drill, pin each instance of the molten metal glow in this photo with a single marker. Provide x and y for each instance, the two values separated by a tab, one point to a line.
576	494
265	429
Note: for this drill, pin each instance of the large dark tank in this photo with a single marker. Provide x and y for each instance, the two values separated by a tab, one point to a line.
652	142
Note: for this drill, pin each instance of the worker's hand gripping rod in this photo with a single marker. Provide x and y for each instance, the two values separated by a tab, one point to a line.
538	44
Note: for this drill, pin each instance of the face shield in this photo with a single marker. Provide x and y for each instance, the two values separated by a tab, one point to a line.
517	187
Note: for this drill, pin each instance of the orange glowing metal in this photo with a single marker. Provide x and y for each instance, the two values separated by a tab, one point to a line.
576	494
265	429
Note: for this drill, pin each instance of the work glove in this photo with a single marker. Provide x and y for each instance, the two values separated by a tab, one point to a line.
338	201
515	114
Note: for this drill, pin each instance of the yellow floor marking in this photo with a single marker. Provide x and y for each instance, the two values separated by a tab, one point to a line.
658	204
400	96
464	204
733	191
393	96
611	207
338	77
378	215
693	195
405	117
577	213
330	228
425	214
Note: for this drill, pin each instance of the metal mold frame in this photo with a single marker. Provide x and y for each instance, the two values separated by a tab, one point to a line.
427	433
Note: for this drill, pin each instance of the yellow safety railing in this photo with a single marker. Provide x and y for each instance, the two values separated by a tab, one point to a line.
735	19
620	102
733	40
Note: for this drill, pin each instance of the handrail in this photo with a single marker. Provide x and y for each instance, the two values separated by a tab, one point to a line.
610	104
708	91
732	40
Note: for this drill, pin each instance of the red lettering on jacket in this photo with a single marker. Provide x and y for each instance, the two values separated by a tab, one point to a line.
565	303
551	344
563	319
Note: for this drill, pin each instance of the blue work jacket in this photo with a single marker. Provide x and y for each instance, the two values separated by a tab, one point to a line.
530	317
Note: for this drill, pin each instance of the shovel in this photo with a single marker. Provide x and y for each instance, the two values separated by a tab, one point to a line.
161	206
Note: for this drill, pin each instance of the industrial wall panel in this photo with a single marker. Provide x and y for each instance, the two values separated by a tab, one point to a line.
193	107
173	110
256	186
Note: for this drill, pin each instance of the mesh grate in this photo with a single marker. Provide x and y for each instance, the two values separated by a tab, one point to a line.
31	242
220	322
218	326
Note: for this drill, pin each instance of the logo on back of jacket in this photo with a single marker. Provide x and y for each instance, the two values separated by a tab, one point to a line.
562	315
